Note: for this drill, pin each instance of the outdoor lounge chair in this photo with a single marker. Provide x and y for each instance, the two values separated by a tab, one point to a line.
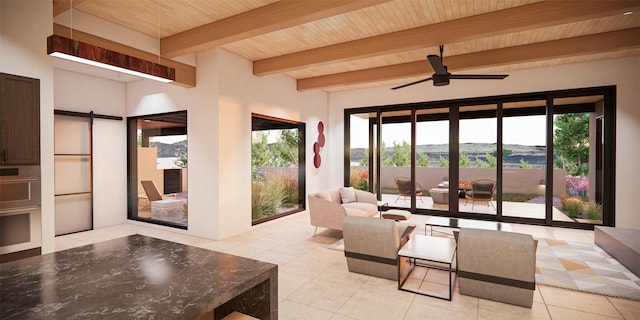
404	188
481	190
152	192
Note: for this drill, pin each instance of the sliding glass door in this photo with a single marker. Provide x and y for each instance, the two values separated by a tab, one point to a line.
477	149
432	158
536	158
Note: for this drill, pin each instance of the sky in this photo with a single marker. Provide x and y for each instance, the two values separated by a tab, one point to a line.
526	130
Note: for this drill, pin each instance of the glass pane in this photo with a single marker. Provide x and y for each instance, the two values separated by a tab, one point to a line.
395	171
73	174
432	157
524	158
72	135
275	164
578	154
162	168
73	213
360	133
477	165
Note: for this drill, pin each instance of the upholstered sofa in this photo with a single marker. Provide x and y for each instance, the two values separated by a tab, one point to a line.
327	209
371	245
497	265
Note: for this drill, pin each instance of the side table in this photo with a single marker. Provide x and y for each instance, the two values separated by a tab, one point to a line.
435	251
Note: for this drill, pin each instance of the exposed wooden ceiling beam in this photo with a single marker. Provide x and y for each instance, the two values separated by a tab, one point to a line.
584	45
185	74
273	17
537	15
60	6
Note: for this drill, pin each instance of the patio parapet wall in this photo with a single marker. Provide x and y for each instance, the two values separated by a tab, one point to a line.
515	180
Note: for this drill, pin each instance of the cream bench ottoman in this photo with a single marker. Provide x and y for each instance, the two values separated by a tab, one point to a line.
395	214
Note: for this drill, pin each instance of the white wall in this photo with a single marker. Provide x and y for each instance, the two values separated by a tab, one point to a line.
622	72
219	134
241	94
82	93
24	28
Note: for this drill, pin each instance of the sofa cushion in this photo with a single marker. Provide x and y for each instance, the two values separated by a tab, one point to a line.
348	195
362	209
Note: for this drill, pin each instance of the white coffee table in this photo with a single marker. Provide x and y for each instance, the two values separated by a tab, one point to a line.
432	252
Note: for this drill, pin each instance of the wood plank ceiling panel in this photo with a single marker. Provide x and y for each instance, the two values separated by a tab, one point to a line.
427	87
501	41
384	18
545	21
167	17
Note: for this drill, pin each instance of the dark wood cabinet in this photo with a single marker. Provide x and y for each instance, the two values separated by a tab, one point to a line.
19	120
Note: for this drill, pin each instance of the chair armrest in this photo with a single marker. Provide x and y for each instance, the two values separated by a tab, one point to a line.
325	213
405	231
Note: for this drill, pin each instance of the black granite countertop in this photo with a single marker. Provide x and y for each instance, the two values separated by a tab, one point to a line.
135	277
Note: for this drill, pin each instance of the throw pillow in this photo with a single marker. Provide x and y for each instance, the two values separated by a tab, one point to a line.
348	195
324	195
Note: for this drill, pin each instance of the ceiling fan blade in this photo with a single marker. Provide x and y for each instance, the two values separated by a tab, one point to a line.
411	83
478	76
436	64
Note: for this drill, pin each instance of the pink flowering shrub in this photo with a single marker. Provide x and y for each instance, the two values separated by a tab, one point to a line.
578	187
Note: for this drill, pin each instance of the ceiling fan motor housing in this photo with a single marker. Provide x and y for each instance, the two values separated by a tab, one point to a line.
440	80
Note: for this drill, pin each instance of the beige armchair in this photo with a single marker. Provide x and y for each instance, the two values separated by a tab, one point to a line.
371	245
497	265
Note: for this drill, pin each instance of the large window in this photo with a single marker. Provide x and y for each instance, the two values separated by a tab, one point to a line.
277	168
158	169
544	158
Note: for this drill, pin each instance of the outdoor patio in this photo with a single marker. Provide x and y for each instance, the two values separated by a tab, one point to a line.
511	209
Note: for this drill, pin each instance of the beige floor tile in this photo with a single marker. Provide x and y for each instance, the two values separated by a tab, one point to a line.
575	300
385	288
537	297
291	310
459	304
563	313
323	295
627	308
289	283
490	310
370	306
275	257
314	282
342	276
325	255
305	267
418	311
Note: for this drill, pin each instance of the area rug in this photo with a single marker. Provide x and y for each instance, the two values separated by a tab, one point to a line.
584	267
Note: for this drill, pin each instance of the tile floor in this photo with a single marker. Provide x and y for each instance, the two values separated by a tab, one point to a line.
314	282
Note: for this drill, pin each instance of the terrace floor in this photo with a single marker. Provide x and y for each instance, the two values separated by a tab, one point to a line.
314	282
512	209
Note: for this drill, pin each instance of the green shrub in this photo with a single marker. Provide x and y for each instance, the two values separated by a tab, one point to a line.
572	206
518	197
594	210
267	196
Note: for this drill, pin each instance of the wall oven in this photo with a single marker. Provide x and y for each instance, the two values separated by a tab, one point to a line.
20	220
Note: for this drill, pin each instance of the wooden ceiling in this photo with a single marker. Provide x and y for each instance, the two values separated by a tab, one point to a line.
348	44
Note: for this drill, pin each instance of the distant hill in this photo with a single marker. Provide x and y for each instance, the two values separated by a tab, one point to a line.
533	155
169	150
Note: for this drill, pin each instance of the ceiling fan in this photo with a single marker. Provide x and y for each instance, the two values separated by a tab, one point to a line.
442	76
